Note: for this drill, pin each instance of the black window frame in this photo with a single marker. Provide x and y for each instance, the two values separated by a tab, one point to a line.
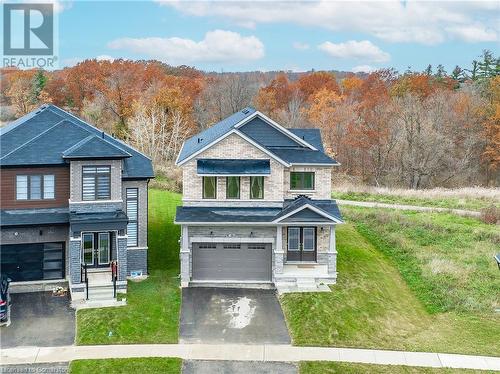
263	189
96	175
203	188
131	220
239	188
42	187
303	173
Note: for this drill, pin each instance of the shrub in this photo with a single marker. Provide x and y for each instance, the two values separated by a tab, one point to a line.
490	215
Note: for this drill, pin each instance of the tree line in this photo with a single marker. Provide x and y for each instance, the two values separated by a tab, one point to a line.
411	129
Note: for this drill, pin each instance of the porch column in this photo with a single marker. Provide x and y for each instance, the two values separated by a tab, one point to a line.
121	256
185	256
278	251
332	252
75	270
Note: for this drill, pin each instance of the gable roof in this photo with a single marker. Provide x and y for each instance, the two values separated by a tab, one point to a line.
94	147
325	208
46	135
287	146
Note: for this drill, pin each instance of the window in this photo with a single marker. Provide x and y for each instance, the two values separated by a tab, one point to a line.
301	180
209	187
132	196
232	246
293	238
232	187
256	187
48	187
96	183
22	187
35	187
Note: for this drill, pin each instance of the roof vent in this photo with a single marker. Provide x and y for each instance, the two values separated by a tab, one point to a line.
102	134
245	111
200	140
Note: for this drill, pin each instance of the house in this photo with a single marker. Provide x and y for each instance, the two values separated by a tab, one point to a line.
72	198
257	205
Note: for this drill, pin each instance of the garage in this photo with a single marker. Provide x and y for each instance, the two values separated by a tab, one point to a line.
33	262
232	262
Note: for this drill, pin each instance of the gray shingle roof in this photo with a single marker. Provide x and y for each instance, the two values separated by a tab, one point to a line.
42	136
200	140
26	217
302	156
94	147
328	206
283	146
312	136
233	167
262	215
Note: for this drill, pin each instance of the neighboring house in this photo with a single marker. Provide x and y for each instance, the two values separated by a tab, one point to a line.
257	205
70	195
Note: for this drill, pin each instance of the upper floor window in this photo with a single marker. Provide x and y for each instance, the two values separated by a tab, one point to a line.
256	187
35	187
232	187
209	187
96	183
302	180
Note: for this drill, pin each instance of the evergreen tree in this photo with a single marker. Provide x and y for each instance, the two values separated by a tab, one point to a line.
440	72
37	85
428	70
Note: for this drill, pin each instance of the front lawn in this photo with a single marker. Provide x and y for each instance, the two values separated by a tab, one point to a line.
152	311
350	368
127	366
374	305
448	202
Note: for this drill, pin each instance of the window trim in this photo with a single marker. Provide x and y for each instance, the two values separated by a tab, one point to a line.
203	188
239	188
302	188
263	188
42	187
136	221
96	174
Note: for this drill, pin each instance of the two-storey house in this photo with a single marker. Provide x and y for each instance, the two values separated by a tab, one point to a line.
257	205
72	198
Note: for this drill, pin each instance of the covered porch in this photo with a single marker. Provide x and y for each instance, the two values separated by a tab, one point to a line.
97	254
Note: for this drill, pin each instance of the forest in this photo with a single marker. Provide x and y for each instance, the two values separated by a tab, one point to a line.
412	129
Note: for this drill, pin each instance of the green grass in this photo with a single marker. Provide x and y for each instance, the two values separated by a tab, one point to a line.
471	203
127	365
374	306
152	311
349	368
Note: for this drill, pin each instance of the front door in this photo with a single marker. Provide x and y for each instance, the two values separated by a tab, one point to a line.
301	244
96	249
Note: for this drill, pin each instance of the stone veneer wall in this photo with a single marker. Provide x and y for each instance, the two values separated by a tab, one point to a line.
121	255
137	260
322	182
233	147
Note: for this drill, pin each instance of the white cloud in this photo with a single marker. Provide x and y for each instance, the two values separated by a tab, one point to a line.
104	58
362	50
473	33
216	46
425	22
300	46
363	69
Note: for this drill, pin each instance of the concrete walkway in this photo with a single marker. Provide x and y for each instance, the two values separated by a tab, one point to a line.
370	204
270	353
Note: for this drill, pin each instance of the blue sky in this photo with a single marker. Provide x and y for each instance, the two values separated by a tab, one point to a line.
244	36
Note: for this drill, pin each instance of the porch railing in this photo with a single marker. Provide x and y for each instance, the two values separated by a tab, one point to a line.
84	278
114	276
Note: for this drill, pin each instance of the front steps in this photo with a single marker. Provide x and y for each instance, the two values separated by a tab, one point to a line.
101	293
304	278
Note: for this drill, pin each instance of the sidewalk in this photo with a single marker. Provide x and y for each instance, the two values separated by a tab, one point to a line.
276	353
373	204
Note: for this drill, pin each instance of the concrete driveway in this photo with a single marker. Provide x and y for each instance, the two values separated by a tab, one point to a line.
39	319
232	315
